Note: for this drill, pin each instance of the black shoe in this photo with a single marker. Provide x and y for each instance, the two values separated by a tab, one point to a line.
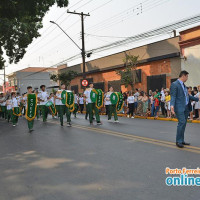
69	124
185	143
31	130
99	123
179	145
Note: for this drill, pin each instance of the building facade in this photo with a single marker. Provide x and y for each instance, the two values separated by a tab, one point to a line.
190	54
159	64
31	76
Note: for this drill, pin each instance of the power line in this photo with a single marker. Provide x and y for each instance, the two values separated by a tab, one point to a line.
134	11
155	32
66	29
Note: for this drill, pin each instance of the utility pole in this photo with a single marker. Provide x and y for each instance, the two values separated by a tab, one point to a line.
4	77
83	38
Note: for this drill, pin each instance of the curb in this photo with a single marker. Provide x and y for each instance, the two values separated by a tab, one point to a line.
153	118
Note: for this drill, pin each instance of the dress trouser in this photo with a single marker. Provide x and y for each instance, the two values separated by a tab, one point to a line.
87	111
131	109
14	117
112	110
75	109
182	121
62	110
92	108
38	111
44	112
163	108
107	109
81	107
4	112
9	115
30	124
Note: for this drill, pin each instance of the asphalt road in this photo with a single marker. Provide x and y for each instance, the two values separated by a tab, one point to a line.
124	161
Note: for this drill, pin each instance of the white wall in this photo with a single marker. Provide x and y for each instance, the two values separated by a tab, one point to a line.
192	65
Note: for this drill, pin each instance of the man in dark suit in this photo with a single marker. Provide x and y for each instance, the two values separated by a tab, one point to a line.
180	104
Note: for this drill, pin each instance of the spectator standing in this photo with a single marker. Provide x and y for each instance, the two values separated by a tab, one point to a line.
197	104
131	105
145	101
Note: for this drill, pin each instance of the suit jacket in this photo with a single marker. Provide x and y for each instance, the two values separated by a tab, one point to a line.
178	97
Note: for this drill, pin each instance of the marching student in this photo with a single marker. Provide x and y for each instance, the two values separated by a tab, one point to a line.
43	97
81	103
9	109
62	108
75	104
91	106
15	109
30	101
111	107
3	106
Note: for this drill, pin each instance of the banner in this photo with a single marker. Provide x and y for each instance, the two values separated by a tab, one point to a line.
63	96
113	98
31	107
68	100
51	107
97	97
120	102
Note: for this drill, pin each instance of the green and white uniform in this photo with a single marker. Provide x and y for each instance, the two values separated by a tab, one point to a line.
111	107
44	97
9	109
15	109
91	106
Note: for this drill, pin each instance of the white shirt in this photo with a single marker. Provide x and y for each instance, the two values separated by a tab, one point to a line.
81	100
9	104
58	102
75	99
131	99
19	99
4	102
43	96
87	95
108	102
15	102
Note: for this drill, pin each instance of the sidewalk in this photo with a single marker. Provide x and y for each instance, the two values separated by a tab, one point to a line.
153	118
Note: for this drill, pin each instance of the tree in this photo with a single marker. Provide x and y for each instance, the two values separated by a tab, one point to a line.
20	21
128	75
65	77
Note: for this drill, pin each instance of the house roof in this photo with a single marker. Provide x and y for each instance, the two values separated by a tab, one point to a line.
38	69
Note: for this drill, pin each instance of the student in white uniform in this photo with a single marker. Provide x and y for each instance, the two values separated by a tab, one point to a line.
43	97
81	103
9	108
91	106
15	109
75	104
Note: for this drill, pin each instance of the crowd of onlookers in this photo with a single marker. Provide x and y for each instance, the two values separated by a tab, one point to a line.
156	103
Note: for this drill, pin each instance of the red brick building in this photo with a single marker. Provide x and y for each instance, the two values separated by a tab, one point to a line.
159	64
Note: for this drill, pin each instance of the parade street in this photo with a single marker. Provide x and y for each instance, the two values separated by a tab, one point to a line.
124	161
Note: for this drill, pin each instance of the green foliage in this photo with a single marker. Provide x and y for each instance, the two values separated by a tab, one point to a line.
128	75
20	21
65	77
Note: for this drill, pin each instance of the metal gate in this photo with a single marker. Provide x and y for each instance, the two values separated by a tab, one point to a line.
156	82
99	85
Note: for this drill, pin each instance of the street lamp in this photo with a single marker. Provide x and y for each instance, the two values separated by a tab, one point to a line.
82	50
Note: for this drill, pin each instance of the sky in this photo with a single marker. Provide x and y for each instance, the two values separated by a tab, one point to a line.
115	19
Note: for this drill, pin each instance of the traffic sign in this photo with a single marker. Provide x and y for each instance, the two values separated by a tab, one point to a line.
84	83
